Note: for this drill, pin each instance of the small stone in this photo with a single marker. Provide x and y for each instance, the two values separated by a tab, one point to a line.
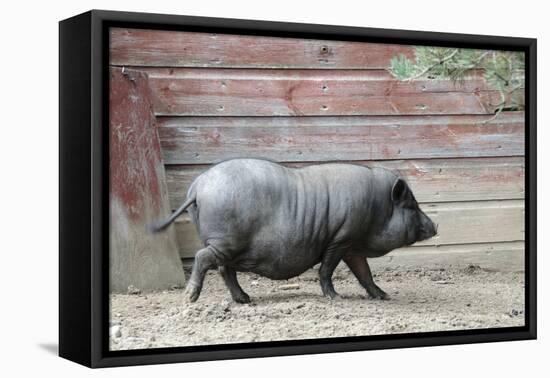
443	282
254	283
225	305
472	268
289	287
132	290
114	331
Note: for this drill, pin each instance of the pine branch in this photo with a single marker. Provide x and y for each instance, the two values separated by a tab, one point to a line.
426	70
504	71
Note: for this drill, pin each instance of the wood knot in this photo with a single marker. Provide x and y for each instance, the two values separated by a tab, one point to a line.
324	50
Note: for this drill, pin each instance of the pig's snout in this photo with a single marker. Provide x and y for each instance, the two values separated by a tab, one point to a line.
428	228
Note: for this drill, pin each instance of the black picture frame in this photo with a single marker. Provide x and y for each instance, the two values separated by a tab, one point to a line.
83	196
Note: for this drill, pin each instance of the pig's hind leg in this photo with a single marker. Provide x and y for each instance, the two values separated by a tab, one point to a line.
205	259
230	278
360	268
329	262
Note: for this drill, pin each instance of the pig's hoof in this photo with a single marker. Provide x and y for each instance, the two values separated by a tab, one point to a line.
378	294
331	295
191	293
381	297
242	298
328	290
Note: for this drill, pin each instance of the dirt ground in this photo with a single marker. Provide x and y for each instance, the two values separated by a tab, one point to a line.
421	299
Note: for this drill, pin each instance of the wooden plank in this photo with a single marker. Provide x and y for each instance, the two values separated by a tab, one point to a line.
503	256
189	49
432	180
476	222
356	138
215	92
274	82
459	223
137	191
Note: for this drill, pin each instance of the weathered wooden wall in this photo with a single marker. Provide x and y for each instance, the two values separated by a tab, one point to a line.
138	192
304	101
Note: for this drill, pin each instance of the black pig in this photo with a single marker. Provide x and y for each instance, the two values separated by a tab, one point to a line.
258	216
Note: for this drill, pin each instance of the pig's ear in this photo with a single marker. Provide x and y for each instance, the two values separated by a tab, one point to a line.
400	191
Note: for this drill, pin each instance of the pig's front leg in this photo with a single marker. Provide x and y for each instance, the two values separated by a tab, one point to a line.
361	270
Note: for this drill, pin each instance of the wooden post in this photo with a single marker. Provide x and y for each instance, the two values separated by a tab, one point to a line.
138	193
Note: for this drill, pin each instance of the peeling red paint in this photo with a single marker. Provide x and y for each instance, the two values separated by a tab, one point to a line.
135	155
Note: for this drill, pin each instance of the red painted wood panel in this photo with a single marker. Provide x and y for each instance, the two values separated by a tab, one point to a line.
327	138
228	92
351	82
137	192
134	175
185	49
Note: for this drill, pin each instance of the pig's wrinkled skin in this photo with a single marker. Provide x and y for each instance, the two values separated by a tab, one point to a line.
257	216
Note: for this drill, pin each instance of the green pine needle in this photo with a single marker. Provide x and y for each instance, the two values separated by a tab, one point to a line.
504	71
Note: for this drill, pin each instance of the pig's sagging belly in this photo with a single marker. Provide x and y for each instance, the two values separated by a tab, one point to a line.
278	253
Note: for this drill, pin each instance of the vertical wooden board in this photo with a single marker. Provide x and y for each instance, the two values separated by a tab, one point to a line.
161	48
137	191
432	180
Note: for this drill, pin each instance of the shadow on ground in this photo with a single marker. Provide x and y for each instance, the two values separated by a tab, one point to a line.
51	348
